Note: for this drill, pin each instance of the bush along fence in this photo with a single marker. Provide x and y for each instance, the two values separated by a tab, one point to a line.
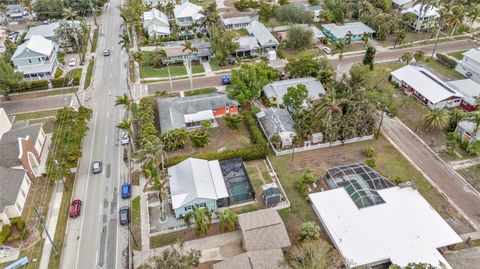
321	145
258	149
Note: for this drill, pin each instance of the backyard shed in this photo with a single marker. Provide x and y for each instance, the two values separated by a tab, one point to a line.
271	194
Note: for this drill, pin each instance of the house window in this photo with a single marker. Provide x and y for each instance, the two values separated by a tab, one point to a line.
23	193
18	207
200	205
29	60
188	208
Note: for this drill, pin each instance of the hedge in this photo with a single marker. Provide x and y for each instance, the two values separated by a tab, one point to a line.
5	233
258	150
33	85
447	61
201	91
146	121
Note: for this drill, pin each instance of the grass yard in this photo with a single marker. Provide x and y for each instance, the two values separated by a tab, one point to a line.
221	138
472	175
36	94
201	91
354	46
390	163
457	54
197	68
258	173
36	115
441	70
175	70
88	78
215	64
94	40
136	223
58	240
289	53
411	36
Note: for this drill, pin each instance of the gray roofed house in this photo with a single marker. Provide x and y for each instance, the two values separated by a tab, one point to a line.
262	259
275	121
190	111
9	144
466	130
45	30
276	90
263	36
469	89
469	66
10	183
247	46
262	230
317	34
237	22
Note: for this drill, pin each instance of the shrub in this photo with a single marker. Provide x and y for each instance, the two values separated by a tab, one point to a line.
174	139
309	177
371	162
301	187
255	134
61	57
206	123
5	233
309	231
445	60
146	121
255	110
199	138
398	180
369	151
276	141
19	222
58	72
233	120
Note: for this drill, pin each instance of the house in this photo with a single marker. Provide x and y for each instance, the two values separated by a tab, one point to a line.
262	259
264	38
14	188
158	2
21	145
315	11
247	46
196	183
187	13
337	32
426	18
280	32
36	58
277	89
470	91
16	12
466	129
277	121
469	66
155	23
374	223
402	4
190	111
176	53
237	22
263	230
427	87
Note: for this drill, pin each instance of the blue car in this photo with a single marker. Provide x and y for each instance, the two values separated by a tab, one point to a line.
226	79
126	191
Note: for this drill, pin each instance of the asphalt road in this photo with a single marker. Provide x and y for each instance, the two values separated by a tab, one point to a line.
43	103
95	239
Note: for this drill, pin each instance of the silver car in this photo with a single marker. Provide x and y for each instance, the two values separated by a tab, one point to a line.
97	167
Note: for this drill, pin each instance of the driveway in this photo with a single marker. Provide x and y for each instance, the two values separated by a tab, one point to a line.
433	168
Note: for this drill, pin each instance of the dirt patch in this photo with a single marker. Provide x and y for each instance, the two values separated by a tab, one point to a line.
207	265
231	250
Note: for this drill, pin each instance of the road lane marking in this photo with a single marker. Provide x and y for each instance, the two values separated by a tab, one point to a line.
108	114
106	139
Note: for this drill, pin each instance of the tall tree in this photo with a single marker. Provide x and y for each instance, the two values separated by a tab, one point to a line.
475	118
328	110
224	44
48	9
125	42
203	219
340	46
175	258
190	49
125	101
295	98
72	34
314	254
10	79
436	118
406	57
455	17
369	57
299	37
365	37
419	56
228	220
248	80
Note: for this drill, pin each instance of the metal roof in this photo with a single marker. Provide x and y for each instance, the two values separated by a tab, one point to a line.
468	88
473	54
156	22
278	89
188	9
339	31
236	20
261	33
247	43
36	43
262	259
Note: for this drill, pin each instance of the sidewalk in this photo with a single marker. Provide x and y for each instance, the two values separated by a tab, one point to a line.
51	224
208	69
141	257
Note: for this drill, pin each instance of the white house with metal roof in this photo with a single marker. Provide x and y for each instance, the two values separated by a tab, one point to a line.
264	38
247	46
277	89
470	91
196	183
14	188
240	22
427	87
469	66
337	32
426	17
402	228
36	58
187	13
156	23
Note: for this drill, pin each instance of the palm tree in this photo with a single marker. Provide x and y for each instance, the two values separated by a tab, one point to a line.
124	101
138	57
436	118
473	12
69	14
202	217
228	220
125	125
188	47
175	28
475	118
348	38
365	38
164	57
340	45
153	154
328	110
169	9
455	17
125	42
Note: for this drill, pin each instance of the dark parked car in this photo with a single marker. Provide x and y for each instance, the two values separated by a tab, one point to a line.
124	215
97	167
126	191
75	207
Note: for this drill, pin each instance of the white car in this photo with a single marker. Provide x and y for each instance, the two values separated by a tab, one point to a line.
72	62
125	139
326	49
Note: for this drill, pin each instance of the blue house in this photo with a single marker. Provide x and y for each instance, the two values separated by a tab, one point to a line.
197	183
336	32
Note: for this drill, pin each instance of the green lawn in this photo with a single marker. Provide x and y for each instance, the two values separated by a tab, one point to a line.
48	124
442	70
88	78
163	240
457	54
201	91
35	115
175	70
214	63
74	73
94	40
197	68
136	223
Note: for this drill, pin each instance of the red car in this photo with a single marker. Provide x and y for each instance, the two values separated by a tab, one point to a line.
75	208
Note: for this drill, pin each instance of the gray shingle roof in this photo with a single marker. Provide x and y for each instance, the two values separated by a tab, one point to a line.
45	30
279	88
261	33
237	20
172	110
10	183
263	259
262	230
276	120
9	148
247	43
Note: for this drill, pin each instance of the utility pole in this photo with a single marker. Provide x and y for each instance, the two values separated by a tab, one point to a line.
45	229
70	83
134	241
379	126
60	175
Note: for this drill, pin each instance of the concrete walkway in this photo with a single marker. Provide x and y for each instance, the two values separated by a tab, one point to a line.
463	164
51	224
142	256
208	69
456	189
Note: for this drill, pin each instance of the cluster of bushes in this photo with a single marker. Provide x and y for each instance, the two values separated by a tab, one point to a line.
174	139
146	121
301	185
201	91
6	232
447	61
258	150
33	85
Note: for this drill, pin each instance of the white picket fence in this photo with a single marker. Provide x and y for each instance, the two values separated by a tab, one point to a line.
319	146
